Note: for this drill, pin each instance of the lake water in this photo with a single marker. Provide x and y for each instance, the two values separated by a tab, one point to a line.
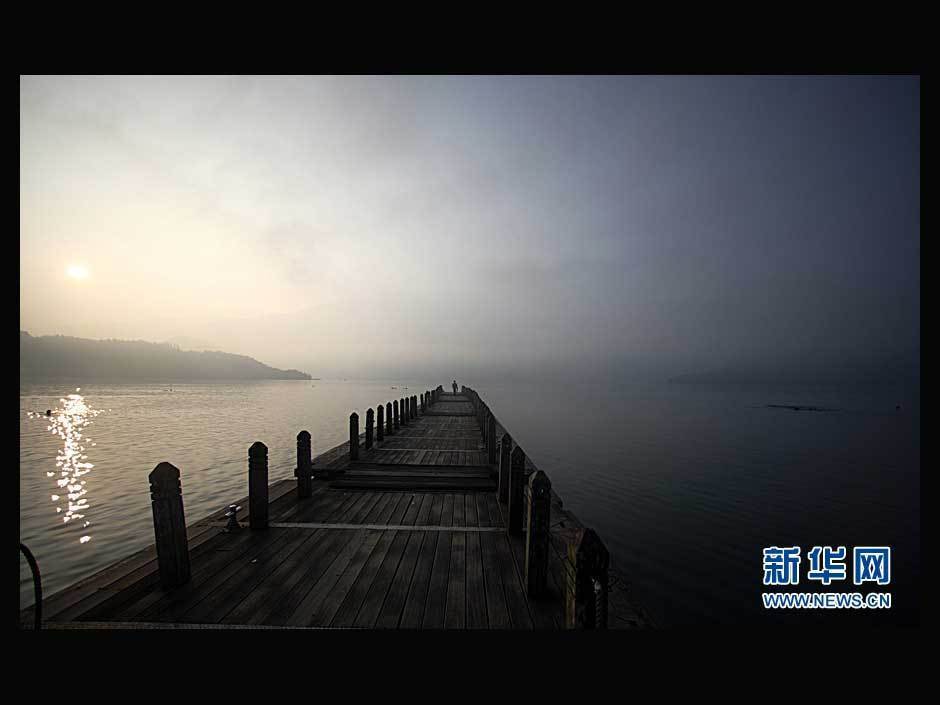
686	484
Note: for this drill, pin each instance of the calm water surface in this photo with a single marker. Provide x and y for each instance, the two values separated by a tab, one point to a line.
685	483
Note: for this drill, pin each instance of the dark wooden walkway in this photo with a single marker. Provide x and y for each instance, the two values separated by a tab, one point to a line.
411	535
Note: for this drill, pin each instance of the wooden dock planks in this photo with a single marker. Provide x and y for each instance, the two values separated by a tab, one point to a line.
409	536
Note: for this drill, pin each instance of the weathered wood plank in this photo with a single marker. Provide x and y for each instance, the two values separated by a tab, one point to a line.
476	588
85	594
349	609
447	510
286	601
221	600
319	609
172	607
381	584
455	616
393	607
496	609
435	607
281	581
416	599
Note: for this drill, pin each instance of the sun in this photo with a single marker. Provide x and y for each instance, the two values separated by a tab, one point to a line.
77	271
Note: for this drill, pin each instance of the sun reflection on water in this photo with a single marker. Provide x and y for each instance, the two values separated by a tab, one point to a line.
68	423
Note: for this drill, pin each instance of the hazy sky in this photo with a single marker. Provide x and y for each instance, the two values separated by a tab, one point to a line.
380	226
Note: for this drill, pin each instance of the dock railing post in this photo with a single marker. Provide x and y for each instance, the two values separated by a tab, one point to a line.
354	436
516	486
395	409
502	486
370	428
539	495
491	441
389	425
402	412
169	525
380	424
258	486
304	471
586	583
414	406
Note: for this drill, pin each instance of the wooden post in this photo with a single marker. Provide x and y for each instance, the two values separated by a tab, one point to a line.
404	411
389	427
304	471
169	525
370	423
258	486
354	436
586	586
491	441
537	538
414	406
380	424
397	420
516	486
502	487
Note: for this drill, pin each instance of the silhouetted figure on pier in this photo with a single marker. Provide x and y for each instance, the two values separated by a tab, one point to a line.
454	385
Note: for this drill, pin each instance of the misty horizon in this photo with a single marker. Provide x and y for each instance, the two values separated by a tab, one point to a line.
394	227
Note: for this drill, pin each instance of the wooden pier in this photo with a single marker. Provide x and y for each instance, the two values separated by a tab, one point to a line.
429	517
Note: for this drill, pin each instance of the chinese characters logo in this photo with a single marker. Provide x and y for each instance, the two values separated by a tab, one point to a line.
827	564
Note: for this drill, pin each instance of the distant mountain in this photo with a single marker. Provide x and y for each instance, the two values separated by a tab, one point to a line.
62	357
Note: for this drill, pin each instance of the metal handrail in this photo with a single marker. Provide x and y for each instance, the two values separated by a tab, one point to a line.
37	583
